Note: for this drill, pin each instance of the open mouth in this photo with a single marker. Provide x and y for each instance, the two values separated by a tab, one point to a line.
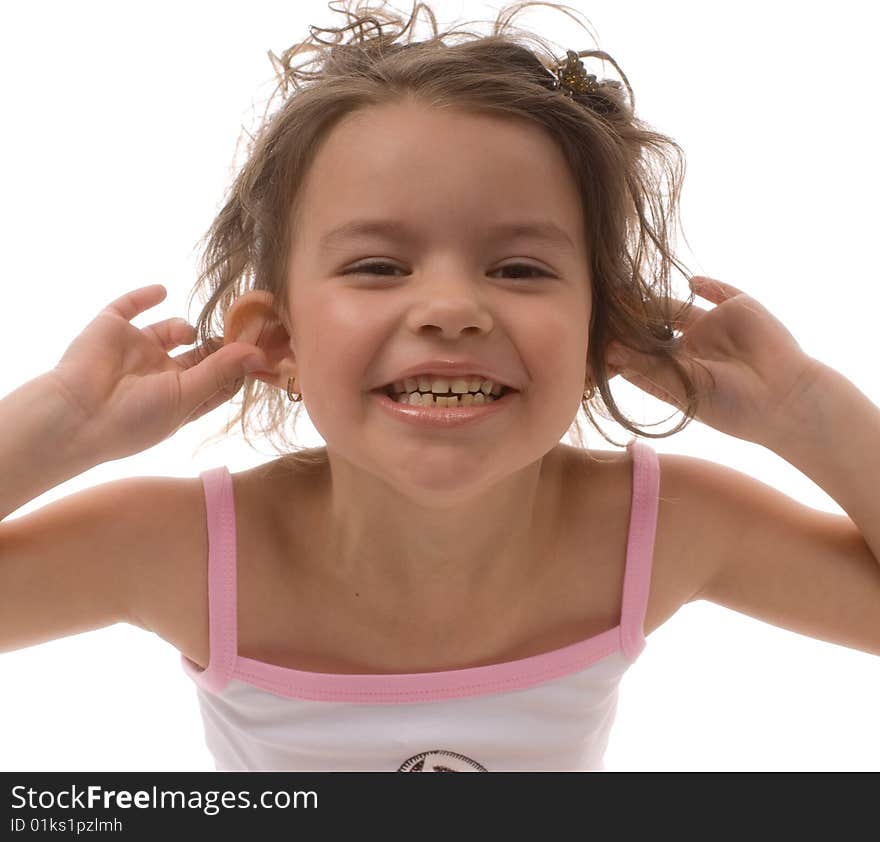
392	393
458	401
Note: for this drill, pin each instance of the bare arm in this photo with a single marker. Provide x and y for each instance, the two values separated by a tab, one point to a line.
39	443
75	564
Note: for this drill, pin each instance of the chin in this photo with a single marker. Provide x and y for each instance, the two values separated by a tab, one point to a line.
443	480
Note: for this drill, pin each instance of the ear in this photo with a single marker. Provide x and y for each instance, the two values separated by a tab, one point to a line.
253	318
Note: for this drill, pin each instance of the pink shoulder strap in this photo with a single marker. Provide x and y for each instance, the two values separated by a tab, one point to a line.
640	546
222	598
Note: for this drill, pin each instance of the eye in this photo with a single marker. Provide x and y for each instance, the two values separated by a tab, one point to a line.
537	270
365	268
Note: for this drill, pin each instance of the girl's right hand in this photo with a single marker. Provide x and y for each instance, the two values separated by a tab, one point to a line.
126	390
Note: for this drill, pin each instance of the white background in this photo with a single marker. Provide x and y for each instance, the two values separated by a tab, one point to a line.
119	129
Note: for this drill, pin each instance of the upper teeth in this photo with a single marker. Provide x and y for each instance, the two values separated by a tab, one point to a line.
442	385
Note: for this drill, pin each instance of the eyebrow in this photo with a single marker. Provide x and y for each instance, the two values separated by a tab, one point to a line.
542	230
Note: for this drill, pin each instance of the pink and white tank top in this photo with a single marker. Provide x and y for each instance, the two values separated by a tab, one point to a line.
548	712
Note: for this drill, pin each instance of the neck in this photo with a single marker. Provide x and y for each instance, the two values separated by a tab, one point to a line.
404	548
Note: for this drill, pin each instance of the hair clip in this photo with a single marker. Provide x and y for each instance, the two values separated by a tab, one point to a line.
573	78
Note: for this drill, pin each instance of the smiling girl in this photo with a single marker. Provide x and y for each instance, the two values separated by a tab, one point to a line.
442	250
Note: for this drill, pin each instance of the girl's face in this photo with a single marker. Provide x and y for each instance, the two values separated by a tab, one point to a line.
453	288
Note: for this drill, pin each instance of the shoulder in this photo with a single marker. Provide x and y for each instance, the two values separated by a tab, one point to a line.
705	509
170	596
702	506
695	518
172	589
767	555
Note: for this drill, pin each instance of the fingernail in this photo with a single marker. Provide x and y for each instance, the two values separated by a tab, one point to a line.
252	363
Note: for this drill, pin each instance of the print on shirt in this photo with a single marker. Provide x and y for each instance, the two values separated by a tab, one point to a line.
440	760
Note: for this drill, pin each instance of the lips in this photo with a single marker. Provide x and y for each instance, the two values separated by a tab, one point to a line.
445	418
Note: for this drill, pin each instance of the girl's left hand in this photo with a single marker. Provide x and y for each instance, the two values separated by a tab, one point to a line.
748	369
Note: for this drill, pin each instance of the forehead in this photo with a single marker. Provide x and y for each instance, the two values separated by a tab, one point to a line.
446	169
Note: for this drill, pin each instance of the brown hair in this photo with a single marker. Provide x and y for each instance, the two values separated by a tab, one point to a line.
618	164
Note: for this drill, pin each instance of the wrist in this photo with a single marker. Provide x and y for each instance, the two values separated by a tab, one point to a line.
807	414
42	443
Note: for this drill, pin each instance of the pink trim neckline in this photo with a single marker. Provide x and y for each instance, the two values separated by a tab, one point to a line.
419	686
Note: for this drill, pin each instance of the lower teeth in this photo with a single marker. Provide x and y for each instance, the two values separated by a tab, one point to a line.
417	399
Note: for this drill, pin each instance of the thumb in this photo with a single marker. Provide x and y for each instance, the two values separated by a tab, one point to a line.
219	374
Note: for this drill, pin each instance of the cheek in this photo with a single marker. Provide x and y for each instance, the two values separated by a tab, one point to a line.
338	341
333	314
556	344
345	309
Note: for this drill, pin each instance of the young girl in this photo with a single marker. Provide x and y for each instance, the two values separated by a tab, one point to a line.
440	588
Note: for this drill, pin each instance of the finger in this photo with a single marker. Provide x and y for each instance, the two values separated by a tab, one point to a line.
655	390
170	333
132	303
712	289
652	375
213	402
687	313
216	373
197	354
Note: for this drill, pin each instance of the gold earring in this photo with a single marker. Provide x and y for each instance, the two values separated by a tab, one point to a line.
298	397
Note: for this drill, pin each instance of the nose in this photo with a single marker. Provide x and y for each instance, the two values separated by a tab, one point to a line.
450	304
